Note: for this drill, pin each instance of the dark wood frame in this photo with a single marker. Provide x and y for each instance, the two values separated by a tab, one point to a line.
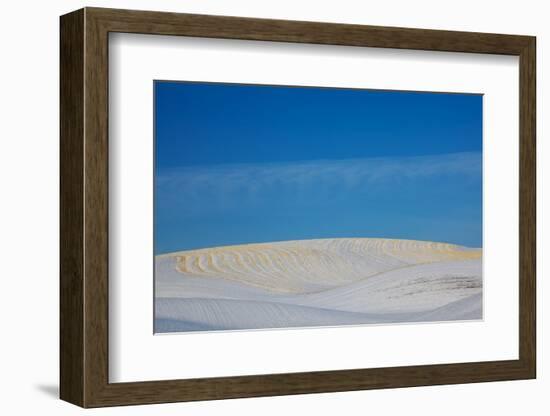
84	208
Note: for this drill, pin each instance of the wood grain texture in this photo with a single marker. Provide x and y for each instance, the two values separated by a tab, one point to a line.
527	208
162	23
96	208
84	207
72	215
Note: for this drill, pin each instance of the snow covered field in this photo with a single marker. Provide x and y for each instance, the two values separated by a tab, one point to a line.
328	282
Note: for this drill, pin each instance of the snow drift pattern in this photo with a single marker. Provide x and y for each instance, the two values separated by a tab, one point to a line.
316	283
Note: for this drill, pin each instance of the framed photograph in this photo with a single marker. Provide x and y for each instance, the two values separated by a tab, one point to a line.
255	207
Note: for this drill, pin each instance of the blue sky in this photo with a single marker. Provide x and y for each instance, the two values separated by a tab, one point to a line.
239	164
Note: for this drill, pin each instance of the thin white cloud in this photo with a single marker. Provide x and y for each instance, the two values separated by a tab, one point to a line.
344	174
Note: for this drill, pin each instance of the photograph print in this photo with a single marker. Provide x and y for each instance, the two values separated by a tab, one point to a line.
302	207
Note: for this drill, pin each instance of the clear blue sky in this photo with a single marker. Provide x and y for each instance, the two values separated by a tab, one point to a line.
239	163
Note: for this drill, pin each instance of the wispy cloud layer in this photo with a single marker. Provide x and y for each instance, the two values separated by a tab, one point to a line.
347	174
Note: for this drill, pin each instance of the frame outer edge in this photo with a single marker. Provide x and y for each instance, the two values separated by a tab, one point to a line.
528	208
71	290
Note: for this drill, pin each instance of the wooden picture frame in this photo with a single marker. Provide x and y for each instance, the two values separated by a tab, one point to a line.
84	207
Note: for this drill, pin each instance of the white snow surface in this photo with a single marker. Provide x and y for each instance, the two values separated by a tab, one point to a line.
310	283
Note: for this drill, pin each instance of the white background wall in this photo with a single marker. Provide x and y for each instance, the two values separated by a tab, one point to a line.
29	208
